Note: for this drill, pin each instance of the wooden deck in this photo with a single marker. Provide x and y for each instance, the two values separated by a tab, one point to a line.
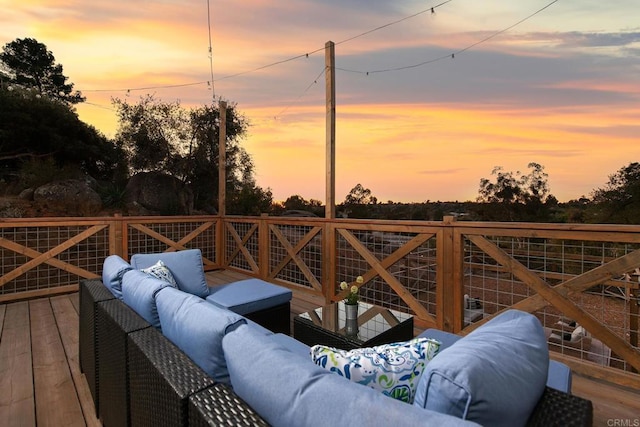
41	383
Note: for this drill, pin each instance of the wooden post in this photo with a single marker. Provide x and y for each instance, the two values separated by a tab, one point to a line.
116	242
448	277
634	300
222	184
329	241
263	245
329	59
222	160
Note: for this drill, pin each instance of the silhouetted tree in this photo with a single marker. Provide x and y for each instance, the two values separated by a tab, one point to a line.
358	203
516	196
619	200
30	64
163	136
35	128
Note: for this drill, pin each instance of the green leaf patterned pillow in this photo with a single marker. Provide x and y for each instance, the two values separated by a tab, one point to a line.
393	369
160	271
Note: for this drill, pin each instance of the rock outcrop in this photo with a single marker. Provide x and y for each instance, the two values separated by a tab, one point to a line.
155	193
71	197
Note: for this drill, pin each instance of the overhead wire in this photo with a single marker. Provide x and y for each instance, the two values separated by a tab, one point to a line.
315	81
453	54
306	55
283	61
213	87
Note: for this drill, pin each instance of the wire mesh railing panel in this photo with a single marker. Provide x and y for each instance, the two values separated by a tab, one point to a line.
415	271
28	243
296	268
490	287
140	240
247	233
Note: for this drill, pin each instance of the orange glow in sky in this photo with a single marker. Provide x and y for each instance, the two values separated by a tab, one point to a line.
561	89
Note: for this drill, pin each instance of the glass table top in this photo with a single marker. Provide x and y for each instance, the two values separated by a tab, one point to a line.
373	320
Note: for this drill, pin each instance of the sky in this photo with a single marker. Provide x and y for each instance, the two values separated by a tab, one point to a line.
427	103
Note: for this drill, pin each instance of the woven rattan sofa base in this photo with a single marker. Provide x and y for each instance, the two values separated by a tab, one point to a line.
162	378
556	408
218	405
115	321
277	319
91	292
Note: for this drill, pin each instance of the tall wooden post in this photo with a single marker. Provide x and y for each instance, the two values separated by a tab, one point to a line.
329	242
222	184
222	160
329	59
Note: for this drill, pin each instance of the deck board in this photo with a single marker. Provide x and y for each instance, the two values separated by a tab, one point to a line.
55	393
67	319
61	395
17	405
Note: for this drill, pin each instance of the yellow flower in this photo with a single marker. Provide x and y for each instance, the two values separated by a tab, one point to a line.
352	297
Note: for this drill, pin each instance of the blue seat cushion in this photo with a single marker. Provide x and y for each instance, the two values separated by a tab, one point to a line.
139	291
113	270
559	376
197	328
493	376
249	296
185	266
288	389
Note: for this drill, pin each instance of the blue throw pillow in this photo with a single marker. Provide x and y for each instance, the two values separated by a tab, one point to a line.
160	271
493	376
393	369
113	270
197	328
186	267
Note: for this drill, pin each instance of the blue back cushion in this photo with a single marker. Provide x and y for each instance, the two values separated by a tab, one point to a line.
197	328
113	270
493	376
139	291
288	389
185	266
558	377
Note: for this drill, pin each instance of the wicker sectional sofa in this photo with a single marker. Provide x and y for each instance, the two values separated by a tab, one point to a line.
142	372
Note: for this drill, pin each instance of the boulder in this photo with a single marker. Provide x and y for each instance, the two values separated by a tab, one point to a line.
156	193
27	194
70	197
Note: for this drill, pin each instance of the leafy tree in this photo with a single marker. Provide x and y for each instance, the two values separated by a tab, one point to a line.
166	137
360	196
36	130
516	196
618	201
299	203
359	202
31	65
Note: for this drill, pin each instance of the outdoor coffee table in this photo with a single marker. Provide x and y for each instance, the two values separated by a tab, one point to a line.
376	325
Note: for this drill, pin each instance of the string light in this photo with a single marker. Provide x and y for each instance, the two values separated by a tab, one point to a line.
451	55
293	58
213	89
210	83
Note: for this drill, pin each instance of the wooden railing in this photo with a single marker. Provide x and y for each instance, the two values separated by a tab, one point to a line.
563	273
